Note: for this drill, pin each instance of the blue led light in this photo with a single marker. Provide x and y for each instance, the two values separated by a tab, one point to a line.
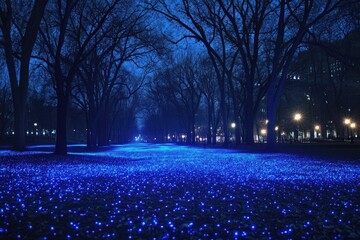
168	191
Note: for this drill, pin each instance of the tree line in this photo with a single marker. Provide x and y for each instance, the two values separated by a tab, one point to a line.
251	46
80	47
112	59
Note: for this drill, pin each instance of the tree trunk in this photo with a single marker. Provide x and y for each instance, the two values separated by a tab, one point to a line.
214	131
61	143
92	124
271	116
208	138
193	136
224	117
102	132
19	86
189	136
92	133
237	133
249	116
19	124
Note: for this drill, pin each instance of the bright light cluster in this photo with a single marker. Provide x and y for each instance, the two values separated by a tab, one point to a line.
167	191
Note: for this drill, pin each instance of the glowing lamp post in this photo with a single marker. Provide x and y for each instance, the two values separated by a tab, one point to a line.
232	132
35	128
297	119
352	126
317	130
278	136
183	136
263	133
347	123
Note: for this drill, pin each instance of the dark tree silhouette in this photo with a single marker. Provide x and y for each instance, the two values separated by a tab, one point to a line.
19	25
79	26
299	17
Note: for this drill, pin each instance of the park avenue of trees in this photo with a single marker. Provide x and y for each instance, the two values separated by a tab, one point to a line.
101	71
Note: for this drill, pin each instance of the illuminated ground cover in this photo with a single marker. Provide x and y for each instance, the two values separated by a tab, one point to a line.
167	191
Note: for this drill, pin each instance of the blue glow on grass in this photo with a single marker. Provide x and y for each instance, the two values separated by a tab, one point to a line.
147	190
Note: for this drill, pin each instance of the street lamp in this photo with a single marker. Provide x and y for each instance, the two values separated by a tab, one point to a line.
297	118
278	134
183	136
317	130
352	126
233	126
263	134
347	122
35	128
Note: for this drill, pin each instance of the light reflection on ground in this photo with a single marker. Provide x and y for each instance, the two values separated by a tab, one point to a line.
166	191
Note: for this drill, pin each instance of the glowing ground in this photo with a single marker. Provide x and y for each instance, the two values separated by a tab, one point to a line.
167	191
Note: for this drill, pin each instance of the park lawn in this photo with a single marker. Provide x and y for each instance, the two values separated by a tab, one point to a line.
168	191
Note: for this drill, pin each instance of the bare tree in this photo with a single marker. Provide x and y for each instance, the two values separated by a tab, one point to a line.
6	110
186	92
294	20
200	21
100	74
70	33
19	24
209	89
243	24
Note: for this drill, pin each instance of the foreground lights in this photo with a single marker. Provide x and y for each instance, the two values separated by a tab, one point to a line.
263	131
233	125
347	121
317	127
277	128
145	189
353	125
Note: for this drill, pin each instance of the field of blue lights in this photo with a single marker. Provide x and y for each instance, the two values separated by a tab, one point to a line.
168	191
